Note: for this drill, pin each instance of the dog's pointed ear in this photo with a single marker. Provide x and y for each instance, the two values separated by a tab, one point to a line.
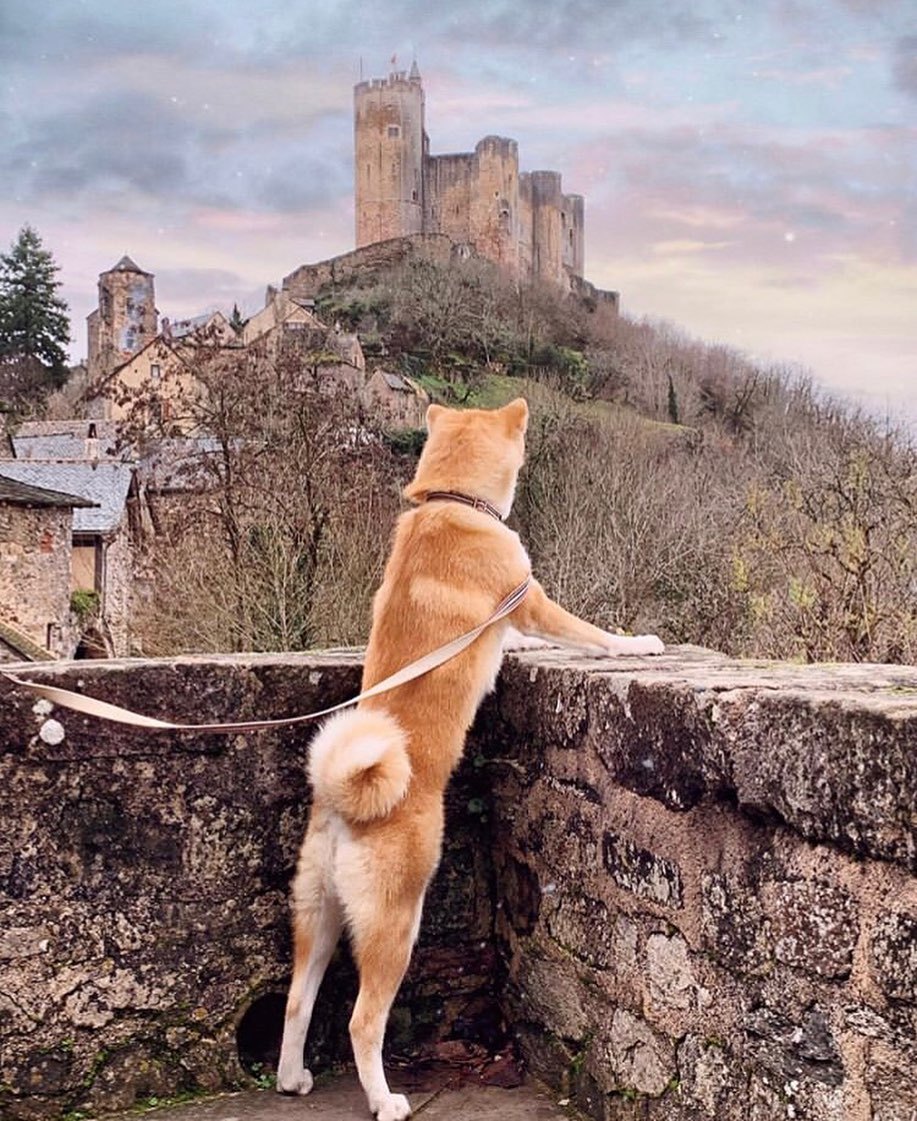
517	415
434	411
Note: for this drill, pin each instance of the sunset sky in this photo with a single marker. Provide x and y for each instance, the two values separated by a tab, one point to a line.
750	169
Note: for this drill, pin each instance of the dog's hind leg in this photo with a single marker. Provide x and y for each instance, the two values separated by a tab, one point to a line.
317	924
382	954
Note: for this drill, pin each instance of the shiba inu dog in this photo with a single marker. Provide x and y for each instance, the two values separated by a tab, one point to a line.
378	771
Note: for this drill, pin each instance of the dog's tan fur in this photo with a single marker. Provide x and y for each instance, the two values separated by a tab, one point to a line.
379	771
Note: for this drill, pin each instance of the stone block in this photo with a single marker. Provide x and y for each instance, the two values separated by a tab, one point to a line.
813	927
705	1073
793	1051
892	1086
637	1059
670	977
654	741
893	954
549	994
733	924
584	928
642	872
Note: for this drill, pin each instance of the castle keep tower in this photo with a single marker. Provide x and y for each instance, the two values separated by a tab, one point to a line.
523	222
125	319
389	149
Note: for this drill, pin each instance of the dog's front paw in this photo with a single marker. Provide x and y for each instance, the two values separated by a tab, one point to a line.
294	1081
638	646
649	644
394	1108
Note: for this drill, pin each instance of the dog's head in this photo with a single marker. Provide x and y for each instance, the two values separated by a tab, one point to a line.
475	451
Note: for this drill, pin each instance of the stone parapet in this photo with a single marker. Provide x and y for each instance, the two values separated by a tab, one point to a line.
687	884
144	942
706	875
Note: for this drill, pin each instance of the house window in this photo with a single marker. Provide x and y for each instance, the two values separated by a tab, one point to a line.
394	131
155	372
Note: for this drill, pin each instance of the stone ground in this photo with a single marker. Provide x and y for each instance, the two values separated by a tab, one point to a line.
340	1099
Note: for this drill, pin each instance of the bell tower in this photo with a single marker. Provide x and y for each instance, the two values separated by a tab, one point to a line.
389	145
125	319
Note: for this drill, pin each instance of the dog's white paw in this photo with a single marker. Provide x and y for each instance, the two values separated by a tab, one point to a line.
635	645
294	1081
649	644
394	1108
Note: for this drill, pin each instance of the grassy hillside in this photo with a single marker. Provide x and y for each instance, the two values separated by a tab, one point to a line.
670	485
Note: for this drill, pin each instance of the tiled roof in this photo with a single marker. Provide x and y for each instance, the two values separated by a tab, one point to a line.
182	327
66	439
105	484
393	381
24	494
179	463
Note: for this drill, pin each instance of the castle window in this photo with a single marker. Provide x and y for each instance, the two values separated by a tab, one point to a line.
154	372
394	131
413	196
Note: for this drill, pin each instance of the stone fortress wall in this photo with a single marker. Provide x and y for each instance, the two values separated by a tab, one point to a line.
687	887
520	220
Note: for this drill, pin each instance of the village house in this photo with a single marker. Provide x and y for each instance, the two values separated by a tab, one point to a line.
36	549
160	375
90	566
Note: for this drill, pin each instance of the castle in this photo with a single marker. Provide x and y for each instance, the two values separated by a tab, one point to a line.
480	200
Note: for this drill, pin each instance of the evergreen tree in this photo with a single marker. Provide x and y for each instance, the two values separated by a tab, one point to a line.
673	402
34	328
237	321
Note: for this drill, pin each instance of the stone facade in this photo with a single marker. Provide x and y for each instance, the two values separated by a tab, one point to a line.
99	549
35	550
308	281
709	886
125	320
521	221
688	885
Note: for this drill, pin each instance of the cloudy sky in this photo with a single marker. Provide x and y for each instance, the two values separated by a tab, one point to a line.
750	168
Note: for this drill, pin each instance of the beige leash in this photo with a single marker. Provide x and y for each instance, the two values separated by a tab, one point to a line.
80	703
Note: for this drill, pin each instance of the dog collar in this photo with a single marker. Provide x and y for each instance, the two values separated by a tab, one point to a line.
466	500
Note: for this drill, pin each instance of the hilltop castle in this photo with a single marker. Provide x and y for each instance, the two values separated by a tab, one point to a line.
479	200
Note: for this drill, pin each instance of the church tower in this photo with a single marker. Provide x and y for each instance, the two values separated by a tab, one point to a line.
125	319
389	146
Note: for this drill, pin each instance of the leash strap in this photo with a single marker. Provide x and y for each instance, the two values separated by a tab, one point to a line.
78	702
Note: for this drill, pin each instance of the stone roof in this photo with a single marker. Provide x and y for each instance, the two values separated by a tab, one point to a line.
25	494
127	265
66	439
393	381
104	485
179	463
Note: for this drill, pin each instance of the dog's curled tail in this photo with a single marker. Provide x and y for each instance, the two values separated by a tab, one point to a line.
359	765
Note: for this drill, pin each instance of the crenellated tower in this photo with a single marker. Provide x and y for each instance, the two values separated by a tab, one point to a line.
389	149
522	221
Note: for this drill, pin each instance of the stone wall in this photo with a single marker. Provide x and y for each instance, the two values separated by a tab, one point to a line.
143	892
362	264
388	158
35	572
689	884
477	199
708	877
